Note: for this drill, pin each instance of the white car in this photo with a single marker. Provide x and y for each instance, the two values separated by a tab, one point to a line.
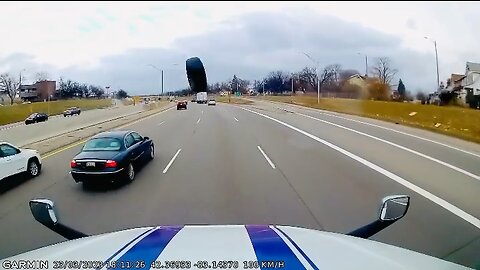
15	161
212	102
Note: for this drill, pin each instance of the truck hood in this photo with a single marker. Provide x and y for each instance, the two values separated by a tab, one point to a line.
290	247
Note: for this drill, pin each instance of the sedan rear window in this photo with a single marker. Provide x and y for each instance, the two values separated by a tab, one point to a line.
102	144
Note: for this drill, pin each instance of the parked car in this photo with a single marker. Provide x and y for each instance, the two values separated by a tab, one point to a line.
111	155
71	111
212	102
182	105
14	160
36	117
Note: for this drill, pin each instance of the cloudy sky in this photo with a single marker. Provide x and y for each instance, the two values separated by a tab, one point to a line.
112	43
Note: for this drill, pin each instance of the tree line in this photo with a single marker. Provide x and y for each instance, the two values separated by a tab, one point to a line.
72	89
331	79
10	85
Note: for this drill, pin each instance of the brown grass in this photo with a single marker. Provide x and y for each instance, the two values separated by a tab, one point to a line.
458	122
18	112
233	100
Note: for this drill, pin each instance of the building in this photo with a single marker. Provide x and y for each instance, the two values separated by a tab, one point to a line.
358	80
39	91
467	86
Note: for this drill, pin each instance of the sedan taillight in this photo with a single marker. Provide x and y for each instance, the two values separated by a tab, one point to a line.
110	164
73	164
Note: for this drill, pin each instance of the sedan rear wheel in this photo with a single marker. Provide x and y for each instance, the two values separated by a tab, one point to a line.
130	173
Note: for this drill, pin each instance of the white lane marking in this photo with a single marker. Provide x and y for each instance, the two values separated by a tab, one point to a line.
398	146
159	124
397	131
202	112
198	121
266	157
441	202
235	119
295	251
171	161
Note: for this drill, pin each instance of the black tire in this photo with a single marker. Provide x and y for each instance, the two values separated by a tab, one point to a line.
33	167
129	173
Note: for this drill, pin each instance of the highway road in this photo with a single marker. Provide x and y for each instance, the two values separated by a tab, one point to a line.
21	134
269	163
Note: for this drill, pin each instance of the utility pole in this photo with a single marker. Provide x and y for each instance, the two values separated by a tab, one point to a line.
318	75
162	82
436	61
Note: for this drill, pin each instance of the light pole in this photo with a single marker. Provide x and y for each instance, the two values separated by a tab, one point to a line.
436	60
366	63
318	75
161	70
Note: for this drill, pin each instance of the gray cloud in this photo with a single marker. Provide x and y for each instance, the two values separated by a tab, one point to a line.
252	45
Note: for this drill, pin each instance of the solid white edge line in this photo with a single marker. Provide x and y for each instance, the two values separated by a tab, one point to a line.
292	248
172	160
266	157
441	202
235	119
319	111
198	121
398	146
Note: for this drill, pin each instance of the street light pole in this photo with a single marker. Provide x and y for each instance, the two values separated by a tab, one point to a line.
318	75
162	82
366	63
436	61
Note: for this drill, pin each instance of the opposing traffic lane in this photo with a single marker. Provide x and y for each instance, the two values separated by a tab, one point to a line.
24	134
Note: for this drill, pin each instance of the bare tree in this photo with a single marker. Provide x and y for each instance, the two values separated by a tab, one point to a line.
10	85
42	76
383	70
329	75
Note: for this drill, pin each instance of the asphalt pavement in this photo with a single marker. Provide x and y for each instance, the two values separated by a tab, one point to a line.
20	134
268	164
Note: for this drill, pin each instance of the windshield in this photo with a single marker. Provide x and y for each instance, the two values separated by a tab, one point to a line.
102	144
323	109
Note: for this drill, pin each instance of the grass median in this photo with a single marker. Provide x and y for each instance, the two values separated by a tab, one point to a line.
233	100
18	112
458	122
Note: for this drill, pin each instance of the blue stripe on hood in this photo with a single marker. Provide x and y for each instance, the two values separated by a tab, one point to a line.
270	247
148	249
298	248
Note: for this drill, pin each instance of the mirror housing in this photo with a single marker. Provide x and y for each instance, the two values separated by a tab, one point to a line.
391	209
394	207
43	211
146	138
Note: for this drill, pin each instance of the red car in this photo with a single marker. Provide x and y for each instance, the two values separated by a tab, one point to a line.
182	105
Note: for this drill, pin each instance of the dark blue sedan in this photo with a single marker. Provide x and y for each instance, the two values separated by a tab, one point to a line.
111	156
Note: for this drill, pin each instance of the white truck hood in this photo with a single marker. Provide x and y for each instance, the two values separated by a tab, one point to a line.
274	246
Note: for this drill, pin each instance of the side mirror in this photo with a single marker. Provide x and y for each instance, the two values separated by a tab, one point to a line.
394	207
146	138
43	211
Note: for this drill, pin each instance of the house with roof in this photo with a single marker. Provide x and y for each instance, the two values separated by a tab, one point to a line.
471	84
466	86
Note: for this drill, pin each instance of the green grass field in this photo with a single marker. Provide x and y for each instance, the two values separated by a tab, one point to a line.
459	122
18	112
